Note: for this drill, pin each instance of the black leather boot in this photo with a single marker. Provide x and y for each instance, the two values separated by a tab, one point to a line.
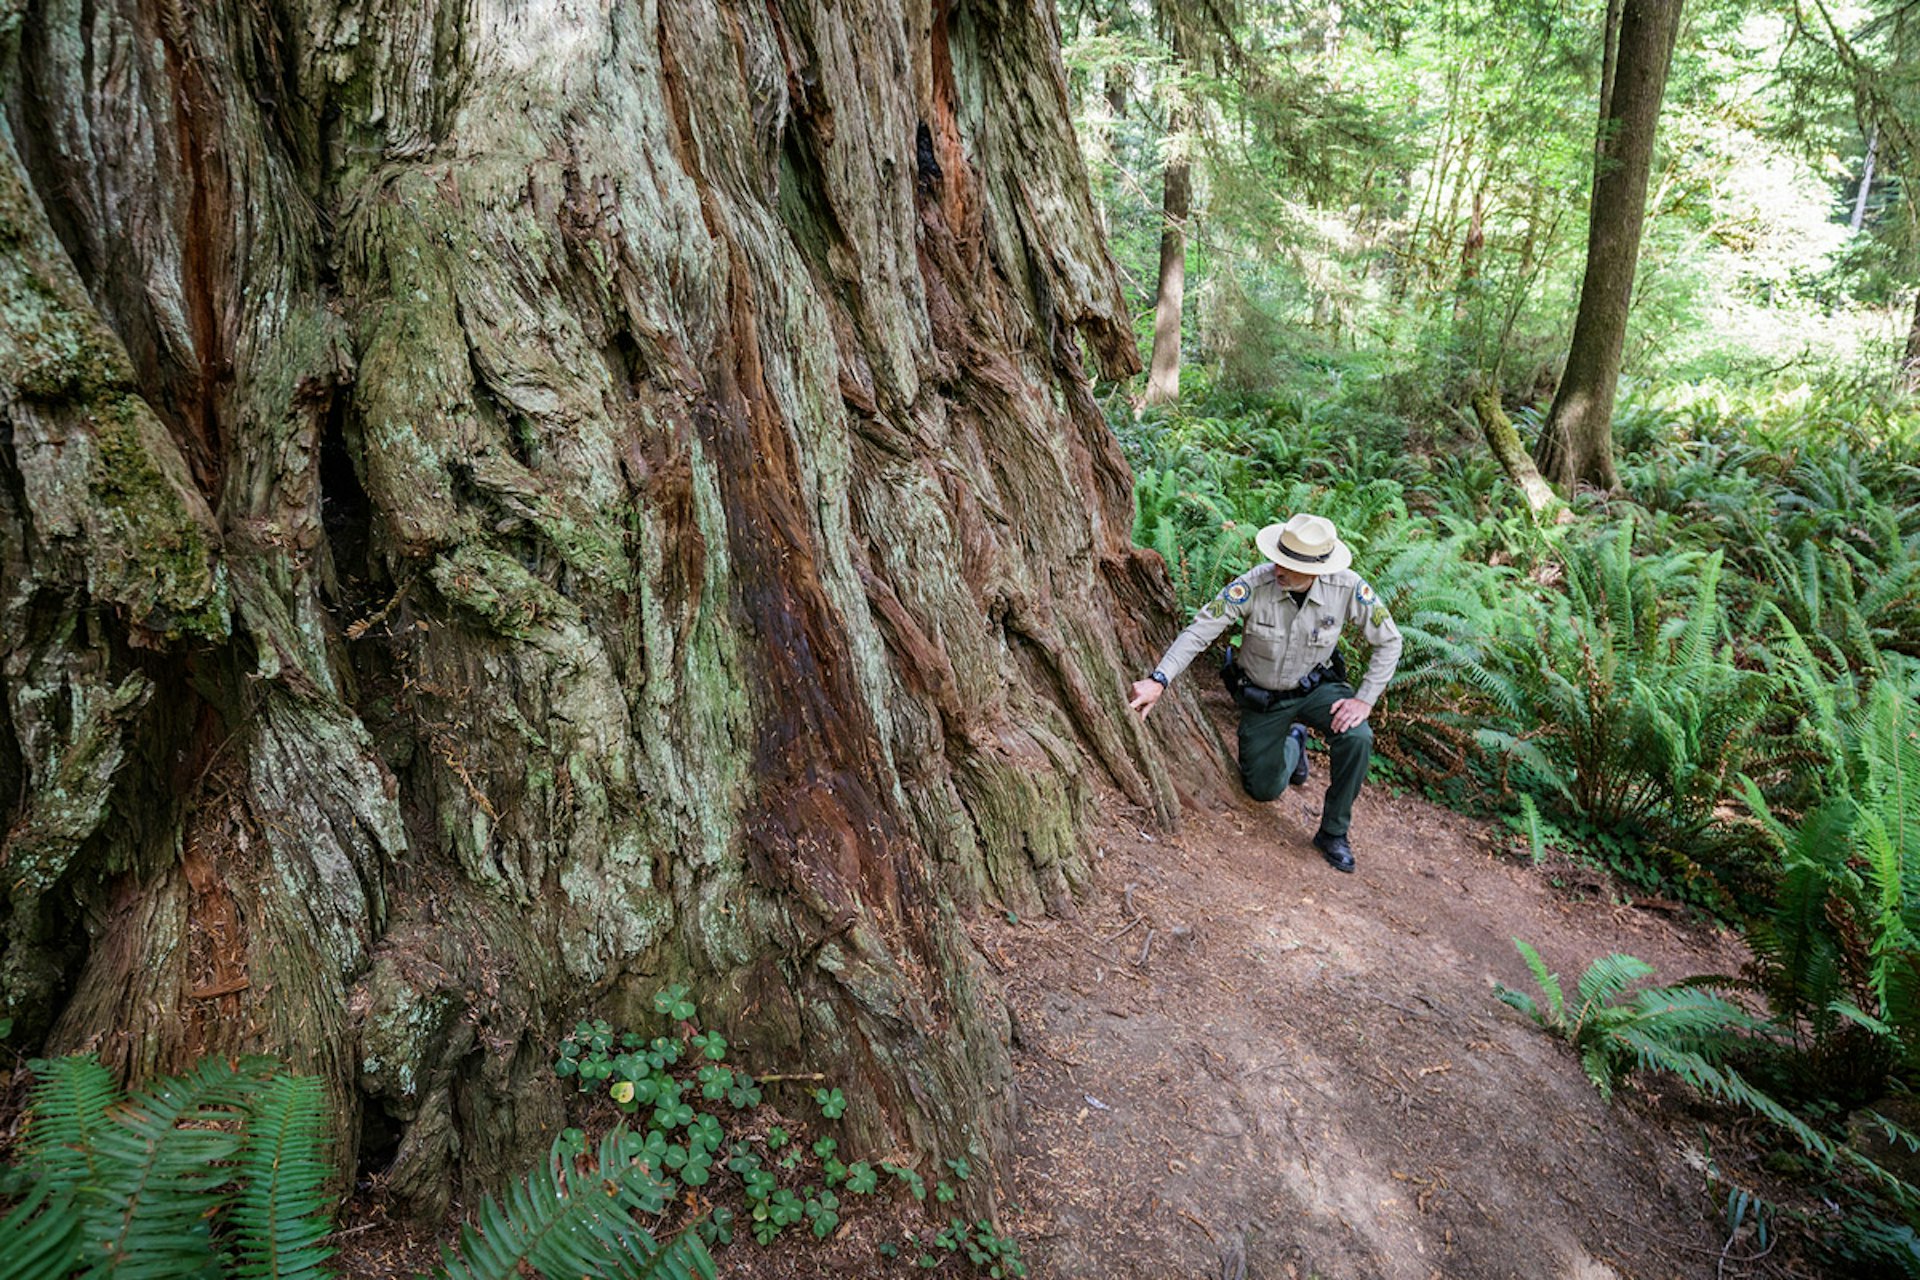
1336	850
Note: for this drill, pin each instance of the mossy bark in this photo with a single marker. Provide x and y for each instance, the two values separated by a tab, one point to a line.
1504	441
1576	441
502	509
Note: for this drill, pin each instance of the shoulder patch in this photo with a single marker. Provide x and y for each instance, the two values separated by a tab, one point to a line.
1366	595
1237	592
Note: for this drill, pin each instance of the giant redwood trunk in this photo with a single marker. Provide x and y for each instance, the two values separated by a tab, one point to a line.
507	505
1576	442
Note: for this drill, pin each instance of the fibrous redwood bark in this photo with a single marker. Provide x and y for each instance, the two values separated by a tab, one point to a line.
504	506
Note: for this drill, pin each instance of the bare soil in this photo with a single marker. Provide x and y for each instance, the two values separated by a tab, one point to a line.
1239	1062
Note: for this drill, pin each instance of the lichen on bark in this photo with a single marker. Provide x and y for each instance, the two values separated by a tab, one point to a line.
601	500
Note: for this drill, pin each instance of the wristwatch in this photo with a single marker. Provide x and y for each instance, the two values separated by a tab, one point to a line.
1159	677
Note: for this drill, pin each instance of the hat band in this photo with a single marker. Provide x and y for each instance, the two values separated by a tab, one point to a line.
1301	555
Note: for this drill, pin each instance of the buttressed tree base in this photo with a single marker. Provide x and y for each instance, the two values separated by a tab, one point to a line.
507	505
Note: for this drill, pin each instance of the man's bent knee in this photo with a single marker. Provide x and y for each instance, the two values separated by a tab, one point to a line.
1262	789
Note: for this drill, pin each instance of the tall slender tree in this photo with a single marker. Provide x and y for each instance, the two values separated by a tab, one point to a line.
503	508
1880	61
1910	364
1865	191
1576	444
1169	295
1183	29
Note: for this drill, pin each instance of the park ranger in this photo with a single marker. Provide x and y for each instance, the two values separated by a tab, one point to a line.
1286	674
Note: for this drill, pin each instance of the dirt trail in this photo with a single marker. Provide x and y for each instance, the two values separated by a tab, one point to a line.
1307	1075
1315	1079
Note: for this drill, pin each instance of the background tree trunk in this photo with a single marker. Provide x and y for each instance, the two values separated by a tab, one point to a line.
1910	365
502	511
1865	193
1169	297
1576	443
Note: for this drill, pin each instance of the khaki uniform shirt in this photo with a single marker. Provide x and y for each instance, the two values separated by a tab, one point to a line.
1284	641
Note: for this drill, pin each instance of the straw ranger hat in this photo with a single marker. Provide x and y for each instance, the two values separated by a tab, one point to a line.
1305	544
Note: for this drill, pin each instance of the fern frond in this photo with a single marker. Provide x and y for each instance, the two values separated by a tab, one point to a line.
1536	845
1692	1019
1519	1000
1729	1086
1859	1017
1597	1060
281	1214
40	1238
1607	977
162	1161
1548	981
566	1222
65	1113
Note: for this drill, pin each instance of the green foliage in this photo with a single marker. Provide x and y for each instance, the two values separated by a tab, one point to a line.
1530	814
658	1081
578	1217
40	1236
1614	1030
222	1171
1837	952
1637	716
586	1054
674	1003
281	1214
214	1172
992	1254
1171	510
1689	1033
861	1178
909	1178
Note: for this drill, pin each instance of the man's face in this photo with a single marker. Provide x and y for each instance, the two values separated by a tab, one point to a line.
1291	580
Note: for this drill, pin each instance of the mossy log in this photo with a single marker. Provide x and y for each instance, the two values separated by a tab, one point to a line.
503	508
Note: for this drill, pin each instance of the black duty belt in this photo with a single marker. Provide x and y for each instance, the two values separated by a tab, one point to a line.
1249	696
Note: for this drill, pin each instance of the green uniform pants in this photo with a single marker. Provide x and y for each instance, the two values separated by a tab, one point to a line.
1268	752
